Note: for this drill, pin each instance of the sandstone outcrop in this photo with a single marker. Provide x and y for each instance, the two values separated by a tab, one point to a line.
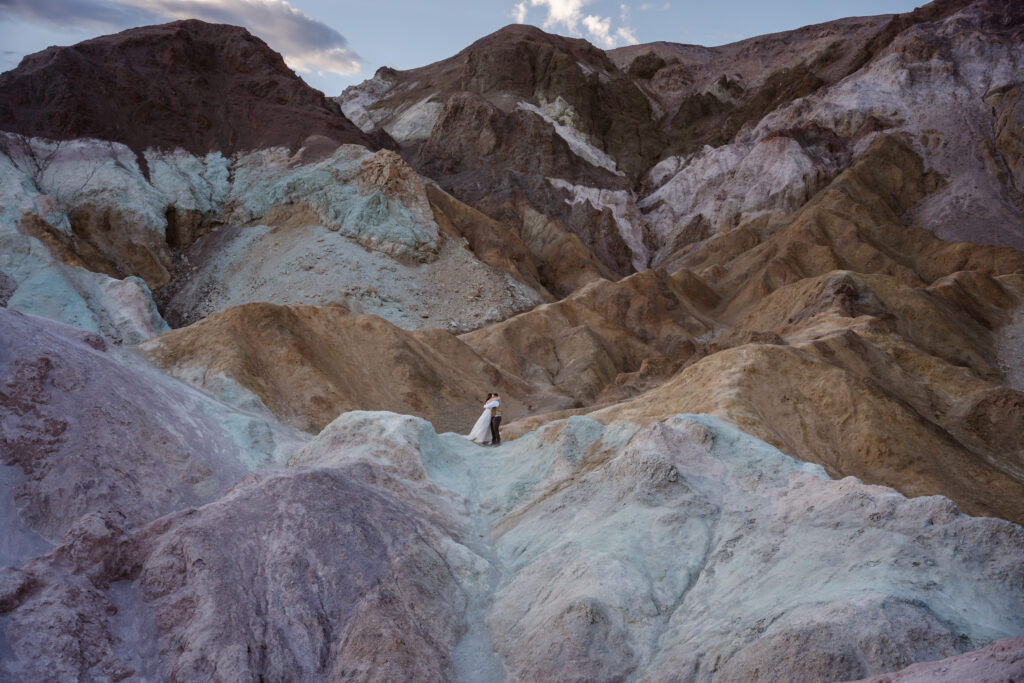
607	339
309	364
606	342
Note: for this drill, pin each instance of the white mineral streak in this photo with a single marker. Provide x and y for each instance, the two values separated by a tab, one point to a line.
357	101
415	122
623	207
1010	350
560	117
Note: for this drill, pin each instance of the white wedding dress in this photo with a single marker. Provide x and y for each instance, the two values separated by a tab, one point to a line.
481	432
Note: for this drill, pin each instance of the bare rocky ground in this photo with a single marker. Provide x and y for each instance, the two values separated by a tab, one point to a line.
755	311
696	550
1000	661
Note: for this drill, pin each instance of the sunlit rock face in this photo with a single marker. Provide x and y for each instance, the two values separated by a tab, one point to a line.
686	549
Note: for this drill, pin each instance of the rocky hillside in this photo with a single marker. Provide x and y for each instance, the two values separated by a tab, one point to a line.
756	313
669	145
185	85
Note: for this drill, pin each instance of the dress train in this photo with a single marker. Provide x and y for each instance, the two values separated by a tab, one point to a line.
481	432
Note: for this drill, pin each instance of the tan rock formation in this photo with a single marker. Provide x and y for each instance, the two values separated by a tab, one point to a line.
853	224
871	378
605	334
308	364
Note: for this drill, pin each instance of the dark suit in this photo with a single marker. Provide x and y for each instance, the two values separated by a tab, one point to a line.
495	424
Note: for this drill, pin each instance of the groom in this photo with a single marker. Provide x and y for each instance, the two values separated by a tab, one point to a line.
495	405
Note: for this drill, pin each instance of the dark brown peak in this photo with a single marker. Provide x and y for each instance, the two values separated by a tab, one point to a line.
507	59
522	38
188	84
515	33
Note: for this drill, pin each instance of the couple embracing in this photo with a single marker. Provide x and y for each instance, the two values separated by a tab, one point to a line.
485	431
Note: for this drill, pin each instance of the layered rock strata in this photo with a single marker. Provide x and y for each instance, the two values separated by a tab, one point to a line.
742	132
206	233
309	364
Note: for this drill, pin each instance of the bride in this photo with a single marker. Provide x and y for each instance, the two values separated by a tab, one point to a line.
481	432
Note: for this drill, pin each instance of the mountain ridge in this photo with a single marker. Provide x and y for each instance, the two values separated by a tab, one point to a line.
186	84
755	313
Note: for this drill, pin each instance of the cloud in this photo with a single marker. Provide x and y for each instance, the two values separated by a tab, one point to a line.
306	44
569	15
599	29
519	12
654	5
627	35
565	12
76	14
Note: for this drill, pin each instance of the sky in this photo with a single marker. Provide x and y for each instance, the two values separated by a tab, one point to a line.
336	43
